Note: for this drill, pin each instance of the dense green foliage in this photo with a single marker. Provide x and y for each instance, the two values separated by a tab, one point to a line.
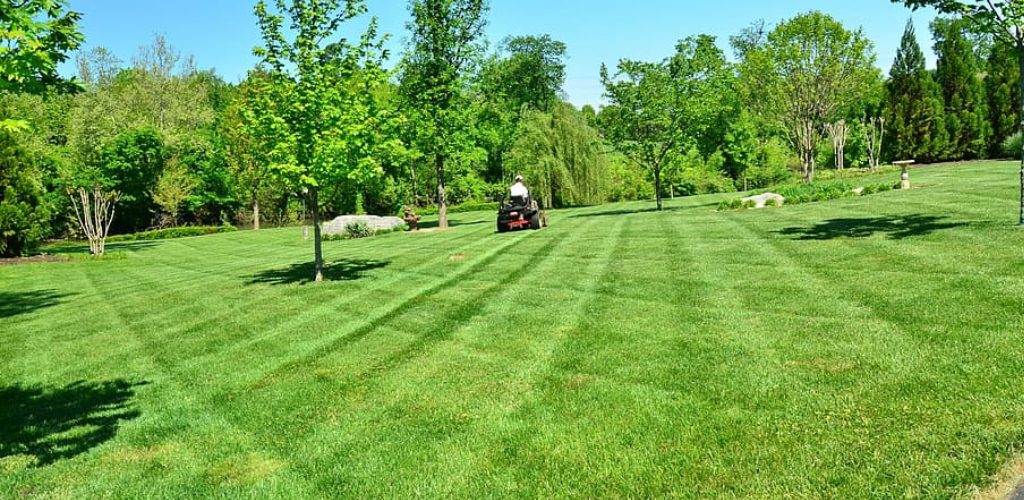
446	36
914	106
563	157
959	76
172	233
659	112
807	73
836	350
24	213
35	37
187	148
1002	84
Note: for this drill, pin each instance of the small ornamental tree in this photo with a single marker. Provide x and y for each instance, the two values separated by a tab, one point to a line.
325	89
1003	19
806	73
662	109
94	211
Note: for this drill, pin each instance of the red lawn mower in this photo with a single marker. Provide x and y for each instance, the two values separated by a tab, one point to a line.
520	213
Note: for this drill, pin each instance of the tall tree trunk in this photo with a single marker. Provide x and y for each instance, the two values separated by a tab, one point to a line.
255	212
657	186
415	193
1020	55
442	202
318	254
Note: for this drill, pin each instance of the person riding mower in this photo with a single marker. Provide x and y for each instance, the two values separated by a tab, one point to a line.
522	212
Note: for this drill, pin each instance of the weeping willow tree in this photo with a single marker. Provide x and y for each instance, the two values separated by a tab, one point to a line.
561	157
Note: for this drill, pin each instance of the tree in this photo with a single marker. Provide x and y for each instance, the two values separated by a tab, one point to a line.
130	165
444	41
36	36
561	157
1004	93
24	214
914	105
959	76
534	72
839	133
325	90
662	109
807	73
94	211
173	189
873	130
1002	18
251	132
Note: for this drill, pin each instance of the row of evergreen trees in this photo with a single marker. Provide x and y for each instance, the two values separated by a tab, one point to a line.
963	110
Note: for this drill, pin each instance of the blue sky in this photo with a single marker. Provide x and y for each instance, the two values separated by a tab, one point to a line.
221	33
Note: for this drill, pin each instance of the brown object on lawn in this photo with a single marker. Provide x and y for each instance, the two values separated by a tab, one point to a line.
411	219
905	175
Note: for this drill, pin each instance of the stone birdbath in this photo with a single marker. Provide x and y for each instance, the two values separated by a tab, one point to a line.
905	175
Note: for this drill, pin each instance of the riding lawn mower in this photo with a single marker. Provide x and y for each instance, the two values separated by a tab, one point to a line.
520	213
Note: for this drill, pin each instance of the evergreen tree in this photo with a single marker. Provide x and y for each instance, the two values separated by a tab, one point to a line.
914	106
1003	87
966	110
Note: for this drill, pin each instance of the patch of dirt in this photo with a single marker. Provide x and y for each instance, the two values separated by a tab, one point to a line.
245	469
457	257
35	259
1007	485
159	454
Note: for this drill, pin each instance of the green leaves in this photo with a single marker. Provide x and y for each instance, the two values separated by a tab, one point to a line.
659	110
35	37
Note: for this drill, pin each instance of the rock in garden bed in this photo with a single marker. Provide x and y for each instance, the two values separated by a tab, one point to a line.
376	223
764	200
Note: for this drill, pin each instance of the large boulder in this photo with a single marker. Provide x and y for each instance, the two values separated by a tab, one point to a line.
337	226
764	200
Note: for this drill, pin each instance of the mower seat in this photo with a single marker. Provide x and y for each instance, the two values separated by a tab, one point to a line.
520	202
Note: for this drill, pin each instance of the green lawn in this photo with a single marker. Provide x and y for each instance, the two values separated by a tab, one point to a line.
868	347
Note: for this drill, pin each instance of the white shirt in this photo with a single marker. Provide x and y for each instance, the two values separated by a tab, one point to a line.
518	189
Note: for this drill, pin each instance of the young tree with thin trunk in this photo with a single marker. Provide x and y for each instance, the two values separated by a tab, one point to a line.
94	211
873	129
252	133
840	134
445	40
663	109
1002	18
807	73
325	89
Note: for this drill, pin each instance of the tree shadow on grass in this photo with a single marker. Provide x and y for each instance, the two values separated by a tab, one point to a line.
120	246
342	270
624	211
47	424
451	223
17	303
896	227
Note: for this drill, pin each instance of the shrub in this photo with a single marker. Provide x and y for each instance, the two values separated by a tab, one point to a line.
24	213
357	230
796	194
172	233
1012	145
473	206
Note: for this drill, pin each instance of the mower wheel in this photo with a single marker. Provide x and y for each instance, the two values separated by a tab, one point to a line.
535	222
502	228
